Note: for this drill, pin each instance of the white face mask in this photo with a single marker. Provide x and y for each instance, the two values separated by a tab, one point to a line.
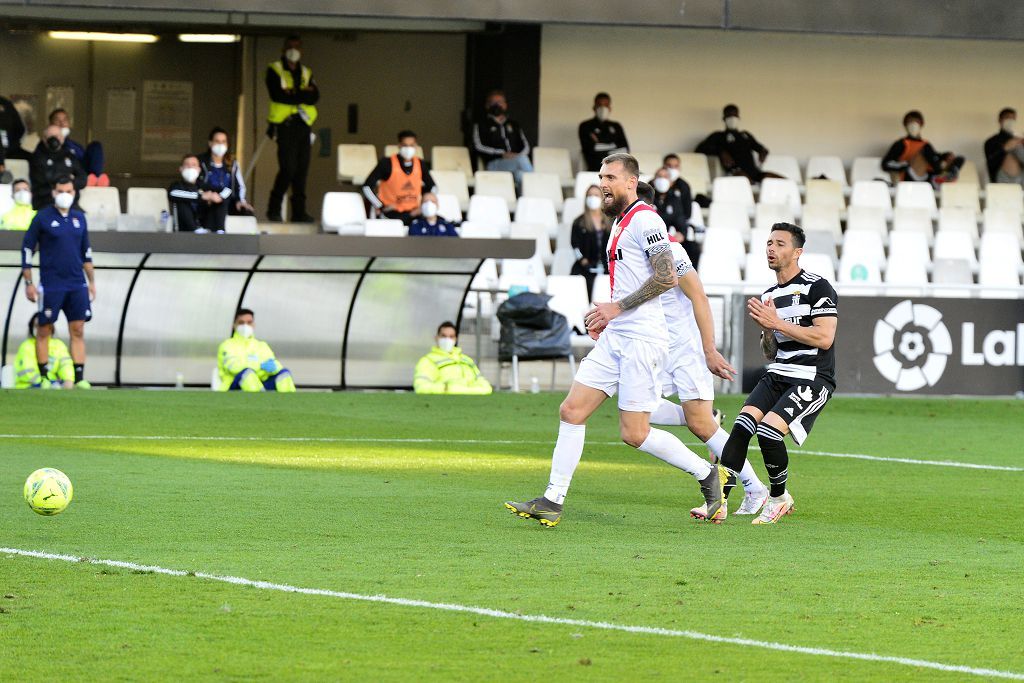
219	150
407	152
446	344
429	209
292	55
244	330
602	113
1007	125
732	122
661	184
913	129
190	174
23	197
673	174
65	132
64	200
593	202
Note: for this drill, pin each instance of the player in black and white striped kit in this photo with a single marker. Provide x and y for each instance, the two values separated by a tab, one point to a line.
798	319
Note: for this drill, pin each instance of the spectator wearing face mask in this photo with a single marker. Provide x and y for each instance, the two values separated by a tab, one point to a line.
26	363
913	158
446	370
396	185
20	216
12	129
186	197
50	161
500	141
429	223
1004	151
736	148
600	136
589	238
90	157
675	207
219	172
247	363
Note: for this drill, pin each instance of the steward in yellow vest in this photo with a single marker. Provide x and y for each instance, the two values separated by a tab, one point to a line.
26	365
248	364
19	217
446	370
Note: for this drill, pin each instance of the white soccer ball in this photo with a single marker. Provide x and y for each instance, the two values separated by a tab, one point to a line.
48	491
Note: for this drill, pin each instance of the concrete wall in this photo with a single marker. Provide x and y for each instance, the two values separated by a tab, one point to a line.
799	94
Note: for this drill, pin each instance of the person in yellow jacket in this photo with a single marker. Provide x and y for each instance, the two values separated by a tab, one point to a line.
446	370
26	366
248	364
293	98
19	217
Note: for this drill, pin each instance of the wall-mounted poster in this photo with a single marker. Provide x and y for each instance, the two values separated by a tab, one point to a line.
166	120
120	108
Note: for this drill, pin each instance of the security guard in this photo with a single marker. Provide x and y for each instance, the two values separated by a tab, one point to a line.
293	96
21	215
248	364
446	370
26	366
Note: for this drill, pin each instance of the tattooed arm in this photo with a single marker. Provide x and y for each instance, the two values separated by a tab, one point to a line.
769	345
664	279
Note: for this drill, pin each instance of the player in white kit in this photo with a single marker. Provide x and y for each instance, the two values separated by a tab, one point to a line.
632	348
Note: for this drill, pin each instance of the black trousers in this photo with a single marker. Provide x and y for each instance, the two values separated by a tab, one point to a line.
293	166
211	216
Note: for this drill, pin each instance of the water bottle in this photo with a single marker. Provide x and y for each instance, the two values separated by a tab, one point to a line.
165	221
534	385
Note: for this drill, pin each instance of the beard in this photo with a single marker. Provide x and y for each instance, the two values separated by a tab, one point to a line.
615	208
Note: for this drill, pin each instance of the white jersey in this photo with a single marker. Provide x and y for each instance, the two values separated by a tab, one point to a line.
636	235
682	325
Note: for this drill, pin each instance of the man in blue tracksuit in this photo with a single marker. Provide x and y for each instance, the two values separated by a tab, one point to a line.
66	281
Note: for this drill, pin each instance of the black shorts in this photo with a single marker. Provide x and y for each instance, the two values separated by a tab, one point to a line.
797	401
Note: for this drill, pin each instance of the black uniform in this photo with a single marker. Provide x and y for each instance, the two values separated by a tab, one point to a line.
802	378
11	131
600	138
185	201
995	154
293	145
46	166
492	139
740	146
675	208
591	245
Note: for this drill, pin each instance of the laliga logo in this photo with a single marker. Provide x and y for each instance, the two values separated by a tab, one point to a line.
911	346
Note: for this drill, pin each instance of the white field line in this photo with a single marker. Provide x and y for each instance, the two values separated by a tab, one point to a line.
482	442
533	618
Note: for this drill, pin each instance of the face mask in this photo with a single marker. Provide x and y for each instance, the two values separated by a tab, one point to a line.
593	202
190	174
53	144
661	184
429	209
23	197
64	200
602	113
292	55
673	174
1007	125
446	344
245	331
913	129
65	132
407	152
219	150
732	122
496	110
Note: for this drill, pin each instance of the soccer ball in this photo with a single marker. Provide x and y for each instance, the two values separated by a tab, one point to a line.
48	491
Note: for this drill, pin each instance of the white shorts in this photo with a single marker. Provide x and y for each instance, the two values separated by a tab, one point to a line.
626	365
687	375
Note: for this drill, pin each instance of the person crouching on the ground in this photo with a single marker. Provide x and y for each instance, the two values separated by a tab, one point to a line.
26	365
446	370
248	364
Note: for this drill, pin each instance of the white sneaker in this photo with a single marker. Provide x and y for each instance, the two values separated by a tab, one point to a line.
752	502
775	508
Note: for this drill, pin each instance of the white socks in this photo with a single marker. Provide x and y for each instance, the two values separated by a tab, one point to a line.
747	475
667	447
564	459
716	443
668	413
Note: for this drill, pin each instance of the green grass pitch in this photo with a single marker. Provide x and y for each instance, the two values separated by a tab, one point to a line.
897	559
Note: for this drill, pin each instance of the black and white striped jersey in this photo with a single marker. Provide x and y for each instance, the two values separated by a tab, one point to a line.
806	297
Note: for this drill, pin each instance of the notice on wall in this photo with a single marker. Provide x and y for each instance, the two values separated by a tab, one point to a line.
166	120
120	108
60	97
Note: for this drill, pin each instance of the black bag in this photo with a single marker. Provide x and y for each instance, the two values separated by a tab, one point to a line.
531	330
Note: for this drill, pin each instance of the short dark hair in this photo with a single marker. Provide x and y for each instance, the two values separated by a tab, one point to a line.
799	236
628	162
669	156
495	91
645	192
913	115
244	311
62	180
33	323
406	134
1006	111
21	180
730	110
602	96
447	323
291	37
58	110
215	130
189	156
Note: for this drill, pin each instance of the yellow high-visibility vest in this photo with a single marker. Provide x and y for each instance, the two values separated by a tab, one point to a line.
278	111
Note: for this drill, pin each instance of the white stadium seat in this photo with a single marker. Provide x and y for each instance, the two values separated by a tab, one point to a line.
355	162
757	272
767	215
819	264
865	245
718	269
602	289
444	158
147	201
546	185
101	205
385	227
572	208
556	160
241	225
783	165
867	168
343	213
726	243
873	193
1004	196
538	210
538	233
584	179
735	189
448	207
489	211
914	219
781	191
870	218
950	244
961	194
916	195
958	219
829	166
524	273
908	248
693	168
1003	220
497	184
453	183
479	231
569	296
724	214
825	193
